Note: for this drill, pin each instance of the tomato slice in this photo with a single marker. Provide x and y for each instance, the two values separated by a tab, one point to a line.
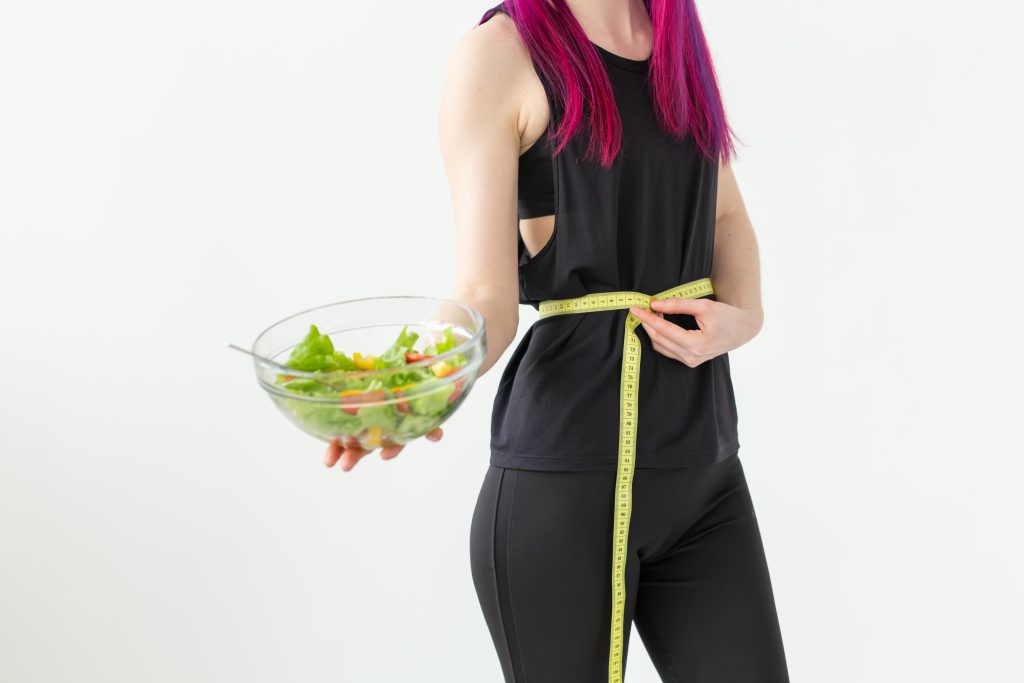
358	396
415	357
460	384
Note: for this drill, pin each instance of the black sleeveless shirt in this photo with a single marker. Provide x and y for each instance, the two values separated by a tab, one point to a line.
646	224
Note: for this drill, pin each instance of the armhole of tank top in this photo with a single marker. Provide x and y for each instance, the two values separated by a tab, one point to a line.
713	210
546	135
546	139
526	262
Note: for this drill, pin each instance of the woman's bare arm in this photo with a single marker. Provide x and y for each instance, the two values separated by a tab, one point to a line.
480	123
736	273
480	119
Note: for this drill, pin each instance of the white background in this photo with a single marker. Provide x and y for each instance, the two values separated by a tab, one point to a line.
177	174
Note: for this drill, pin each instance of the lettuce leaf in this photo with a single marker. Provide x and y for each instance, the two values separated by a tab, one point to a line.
315	352
448	342
395	355
434	402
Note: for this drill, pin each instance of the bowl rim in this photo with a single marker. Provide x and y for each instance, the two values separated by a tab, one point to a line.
377	372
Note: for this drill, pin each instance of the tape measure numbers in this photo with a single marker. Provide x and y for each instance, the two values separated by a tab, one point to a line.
629	388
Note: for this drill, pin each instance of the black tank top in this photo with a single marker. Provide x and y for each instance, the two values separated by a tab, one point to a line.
646	224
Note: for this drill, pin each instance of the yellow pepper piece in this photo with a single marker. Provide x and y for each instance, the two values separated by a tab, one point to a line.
373	436
364	362
442	368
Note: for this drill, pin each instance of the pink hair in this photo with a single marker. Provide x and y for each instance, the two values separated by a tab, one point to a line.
684	86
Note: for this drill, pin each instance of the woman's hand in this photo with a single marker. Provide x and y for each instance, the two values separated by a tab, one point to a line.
722	328
351	453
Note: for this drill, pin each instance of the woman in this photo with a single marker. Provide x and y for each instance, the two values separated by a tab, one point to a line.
587	152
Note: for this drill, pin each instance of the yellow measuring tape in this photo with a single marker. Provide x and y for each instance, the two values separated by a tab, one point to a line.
628	392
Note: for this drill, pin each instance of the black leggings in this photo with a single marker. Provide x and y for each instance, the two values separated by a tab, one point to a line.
697	582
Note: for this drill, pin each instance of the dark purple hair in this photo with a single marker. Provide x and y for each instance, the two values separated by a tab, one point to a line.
685	91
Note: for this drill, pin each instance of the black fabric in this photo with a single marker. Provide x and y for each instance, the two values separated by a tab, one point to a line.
698	585
646	224
536	191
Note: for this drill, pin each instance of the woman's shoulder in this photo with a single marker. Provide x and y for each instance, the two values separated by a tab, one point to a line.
492	60
494	42
489	59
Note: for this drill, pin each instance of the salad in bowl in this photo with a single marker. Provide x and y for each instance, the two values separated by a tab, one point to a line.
378	372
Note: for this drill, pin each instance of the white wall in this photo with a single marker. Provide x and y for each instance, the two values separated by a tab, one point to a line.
178	174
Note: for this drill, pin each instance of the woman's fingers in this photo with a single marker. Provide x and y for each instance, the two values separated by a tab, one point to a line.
336	450
389	452
333	452
689	342
351	457
350	453
693	307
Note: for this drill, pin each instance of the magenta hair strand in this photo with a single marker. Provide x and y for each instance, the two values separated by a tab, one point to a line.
684	86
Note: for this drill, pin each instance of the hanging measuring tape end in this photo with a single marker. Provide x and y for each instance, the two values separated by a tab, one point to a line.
629	387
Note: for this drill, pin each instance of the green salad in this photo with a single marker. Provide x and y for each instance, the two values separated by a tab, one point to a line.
407	405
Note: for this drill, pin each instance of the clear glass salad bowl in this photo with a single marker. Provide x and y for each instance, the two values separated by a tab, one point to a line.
372	372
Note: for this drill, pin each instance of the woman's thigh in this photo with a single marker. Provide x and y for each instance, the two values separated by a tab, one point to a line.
704	608
540	547
697	584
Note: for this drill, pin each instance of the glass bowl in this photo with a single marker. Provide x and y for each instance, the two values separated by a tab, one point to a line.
349	371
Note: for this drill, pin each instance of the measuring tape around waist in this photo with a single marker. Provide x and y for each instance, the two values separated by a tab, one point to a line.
629	387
